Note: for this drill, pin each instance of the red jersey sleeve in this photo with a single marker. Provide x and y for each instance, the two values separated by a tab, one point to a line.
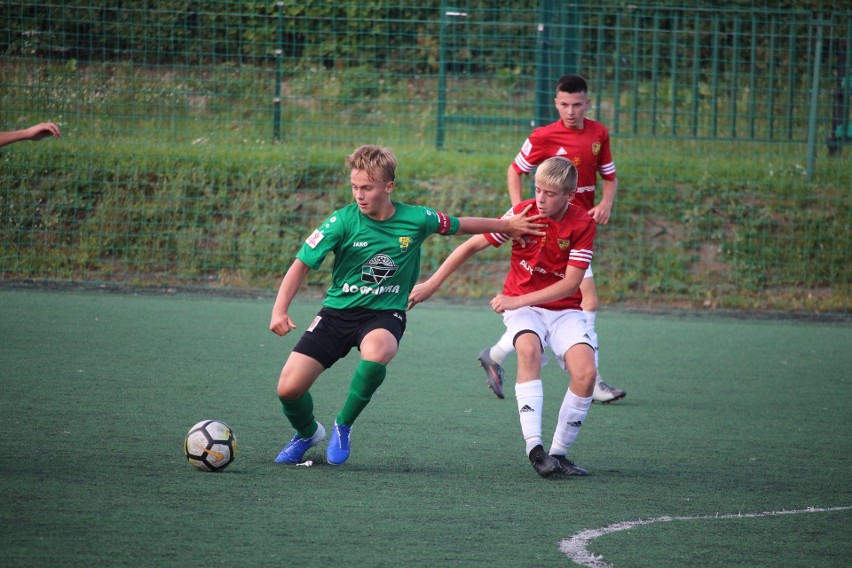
581	252
533	152
606	165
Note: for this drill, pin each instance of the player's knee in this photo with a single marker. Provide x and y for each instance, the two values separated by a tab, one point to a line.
580	363
583	381
285	392
382	355
288	389
585	375
527	345
379	346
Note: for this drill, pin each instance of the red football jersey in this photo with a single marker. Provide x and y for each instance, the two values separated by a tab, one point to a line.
567	242
587	148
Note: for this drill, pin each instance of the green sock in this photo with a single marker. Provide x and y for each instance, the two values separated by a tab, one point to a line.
368	376
300	413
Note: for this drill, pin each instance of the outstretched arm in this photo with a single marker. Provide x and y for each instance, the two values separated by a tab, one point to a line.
464	251
516	226
281	324
36	132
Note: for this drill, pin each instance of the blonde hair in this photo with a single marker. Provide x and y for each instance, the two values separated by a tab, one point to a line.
379	163
559	173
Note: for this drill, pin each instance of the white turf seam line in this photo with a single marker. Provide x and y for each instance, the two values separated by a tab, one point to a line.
574	547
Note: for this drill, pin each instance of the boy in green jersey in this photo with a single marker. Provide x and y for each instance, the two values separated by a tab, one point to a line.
376	245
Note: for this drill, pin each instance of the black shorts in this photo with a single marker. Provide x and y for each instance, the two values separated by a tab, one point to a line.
334	333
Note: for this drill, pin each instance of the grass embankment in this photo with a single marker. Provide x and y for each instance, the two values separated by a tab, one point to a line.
689	228
173	179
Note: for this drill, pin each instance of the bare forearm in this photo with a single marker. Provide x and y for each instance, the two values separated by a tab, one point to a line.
458	257
290	286
10	137
603	210
36	132
608	191
513	181
480	225
568	286
424	290
553	292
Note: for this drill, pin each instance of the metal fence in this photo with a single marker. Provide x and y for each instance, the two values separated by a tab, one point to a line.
202	140
703	73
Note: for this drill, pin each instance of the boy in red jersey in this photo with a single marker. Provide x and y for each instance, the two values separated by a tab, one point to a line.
541	306
586	143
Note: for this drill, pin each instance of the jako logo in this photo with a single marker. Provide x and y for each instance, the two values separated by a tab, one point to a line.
359	244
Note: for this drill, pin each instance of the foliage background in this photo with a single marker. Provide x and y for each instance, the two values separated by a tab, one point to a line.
179	166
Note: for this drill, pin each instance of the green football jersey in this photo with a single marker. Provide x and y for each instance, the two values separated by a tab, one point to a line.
376	263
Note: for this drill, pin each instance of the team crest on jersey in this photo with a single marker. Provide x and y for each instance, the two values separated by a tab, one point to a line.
596	147
378	269
403	243
563	243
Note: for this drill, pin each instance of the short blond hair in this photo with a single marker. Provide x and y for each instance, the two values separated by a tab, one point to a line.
557	172
379	163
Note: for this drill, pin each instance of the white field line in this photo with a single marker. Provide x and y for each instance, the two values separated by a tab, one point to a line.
574	547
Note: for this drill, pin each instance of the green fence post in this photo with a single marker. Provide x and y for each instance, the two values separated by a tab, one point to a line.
542	81
442	76
696	71
840	133
734	87
279	56
673	53
791	72
809	170
446	14
616	87
752	83
770	110
714	80
570	48
600	51
846	83
655	71
635	63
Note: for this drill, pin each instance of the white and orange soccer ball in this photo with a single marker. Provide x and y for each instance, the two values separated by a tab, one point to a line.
210	445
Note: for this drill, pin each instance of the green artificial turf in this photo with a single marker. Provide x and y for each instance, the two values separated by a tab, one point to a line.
723	417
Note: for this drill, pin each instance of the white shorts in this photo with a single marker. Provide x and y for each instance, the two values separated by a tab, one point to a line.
588	273
559	329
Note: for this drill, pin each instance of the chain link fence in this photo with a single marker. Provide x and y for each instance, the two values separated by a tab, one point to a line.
203	141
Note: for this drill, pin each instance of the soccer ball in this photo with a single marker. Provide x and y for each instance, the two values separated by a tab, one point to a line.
210	445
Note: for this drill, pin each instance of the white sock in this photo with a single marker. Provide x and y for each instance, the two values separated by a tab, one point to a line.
590	329
502	348
530	396
571	415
